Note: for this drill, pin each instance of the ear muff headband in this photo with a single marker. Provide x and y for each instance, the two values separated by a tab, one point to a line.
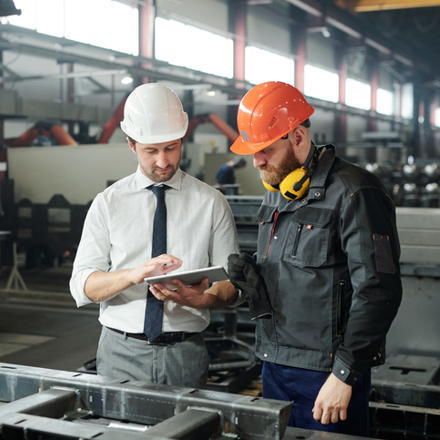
295	184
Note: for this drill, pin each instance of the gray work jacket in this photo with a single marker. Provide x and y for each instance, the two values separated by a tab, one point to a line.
330	262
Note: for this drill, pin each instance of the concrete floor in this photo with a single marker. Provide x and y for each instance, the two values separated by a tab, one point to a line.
43	327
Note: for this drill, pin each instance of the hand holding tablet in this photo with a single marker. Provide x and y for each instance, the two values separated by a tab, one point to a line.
190	277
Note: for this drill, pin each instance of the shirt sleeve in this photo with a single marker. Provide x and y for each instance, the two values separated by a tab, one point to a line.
370	240
93	252
224	237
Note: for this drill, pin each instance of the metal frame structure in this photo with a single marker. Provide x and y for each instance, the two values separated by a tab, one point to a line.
42	403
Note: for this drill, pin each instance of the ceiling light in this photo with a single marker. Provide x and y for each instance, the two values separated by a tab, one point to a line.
127	80
211	93
326	33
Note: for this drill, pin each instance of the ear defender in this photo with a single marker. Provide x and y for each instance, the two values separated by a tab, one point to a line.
295	184
271	188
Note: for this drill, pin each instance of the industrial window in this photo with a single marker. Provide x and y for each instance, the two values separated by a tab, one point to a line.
104	23
357	94
437	117
407	108
321	84
262	65
194	48
384	102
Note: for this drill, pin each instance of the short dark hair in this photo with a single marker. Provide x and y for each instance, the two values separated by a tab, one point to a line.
306	123
131	140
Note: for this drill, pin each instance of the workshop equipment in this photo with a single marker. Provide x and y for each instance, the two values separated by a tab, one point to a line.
56	404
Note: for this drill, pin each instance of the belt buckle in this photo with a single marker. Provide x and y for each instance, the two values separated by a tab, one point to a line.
159	340
167	338
155	341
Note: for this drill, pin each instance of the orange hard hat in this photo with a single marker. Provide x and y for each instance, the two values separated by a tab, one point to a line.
268	112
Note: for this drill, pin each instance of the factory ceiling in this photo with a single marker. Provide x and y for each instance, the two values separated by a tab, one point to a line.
383	5
415	24
404	35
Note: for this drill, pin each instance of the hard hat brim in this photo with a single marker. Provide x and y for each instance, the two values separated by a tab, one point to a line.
240	146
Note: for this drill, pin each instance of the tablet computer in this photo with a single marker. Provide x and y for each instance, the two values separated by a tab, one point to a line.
190	277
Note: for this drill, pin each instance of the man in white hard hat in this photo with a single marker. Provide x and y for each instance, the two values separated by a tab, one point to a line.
115	252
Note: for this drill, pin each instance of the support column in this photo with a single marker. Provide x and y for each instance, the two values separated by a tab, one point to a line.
371	155
416	149
430	105
237	26
147	16
298	39
2	133
340	125
237	12
70	96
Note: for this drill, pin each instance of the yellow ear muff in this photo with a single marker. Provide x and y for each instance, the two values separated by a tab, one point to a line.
294	185
270	187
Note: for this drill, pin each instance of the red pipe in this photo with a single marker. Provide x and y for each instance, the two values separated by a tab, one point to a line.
61	136
112	124
222	126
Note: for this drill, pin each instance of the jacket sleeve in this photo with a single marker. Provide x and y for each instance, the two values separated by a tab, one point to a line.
370	240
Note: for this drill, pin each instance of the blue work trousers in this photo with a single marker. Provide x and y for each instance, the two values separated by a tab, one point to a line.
301	387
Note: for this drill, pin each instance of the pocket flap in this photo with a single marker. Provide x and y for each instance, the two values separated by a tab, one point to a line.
317	217
266	213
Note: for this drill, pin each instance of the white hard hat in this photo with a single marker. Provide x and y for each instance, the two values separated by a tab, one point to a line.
153	114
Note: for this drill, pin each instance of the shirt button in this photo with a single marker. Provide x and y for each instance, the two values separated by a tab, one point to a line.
317	194
275	237
304	201
265	355
342	372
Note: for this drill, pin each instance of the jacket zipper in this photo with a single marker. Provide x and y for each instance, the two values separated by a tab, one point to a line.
271	233
295	244
340	311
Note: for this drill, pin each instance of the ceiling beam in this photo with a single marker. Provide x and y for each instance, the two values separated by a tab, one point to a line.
156	69
349	24
382	5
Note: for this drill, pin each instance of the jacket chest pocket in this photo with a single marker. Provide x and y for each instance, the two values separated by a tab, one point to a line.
308	237
266	216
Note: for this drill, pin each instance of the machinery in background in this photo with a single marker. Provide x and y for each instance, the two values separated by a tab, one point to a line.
411	184
41	403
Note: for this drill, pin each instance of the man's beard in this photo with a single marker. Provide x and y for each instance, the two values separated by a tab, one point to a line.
273	175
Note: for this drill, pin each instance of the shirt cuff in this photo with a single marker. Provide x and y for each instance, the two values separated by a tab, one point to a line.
342	372
77	287
241	298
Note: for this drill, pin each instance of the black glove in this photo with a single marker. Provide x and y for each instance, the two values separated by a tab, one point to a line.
243	274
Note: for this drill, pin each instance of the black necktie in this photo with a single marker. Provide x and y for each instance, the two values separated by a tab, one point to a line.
154	310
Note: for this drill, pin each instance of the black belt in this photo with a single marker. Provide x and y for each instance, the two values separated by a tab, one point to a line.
163	339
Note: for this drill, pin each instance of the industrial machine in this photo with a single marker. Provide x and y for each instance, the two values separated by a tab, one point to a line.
49	404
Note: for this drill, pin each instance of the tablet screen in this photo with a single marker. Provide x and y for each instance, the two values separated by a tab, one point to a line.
190	277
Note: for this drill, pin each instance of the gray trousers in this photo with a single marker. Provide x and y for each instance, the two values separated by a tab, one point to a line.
181	364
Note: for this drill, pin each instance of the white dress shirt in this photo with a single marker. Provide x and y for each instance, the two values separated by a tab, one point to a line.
117	235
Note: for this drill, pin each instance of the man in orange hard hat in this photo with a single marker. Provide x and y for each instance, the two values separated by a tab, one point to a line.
326	266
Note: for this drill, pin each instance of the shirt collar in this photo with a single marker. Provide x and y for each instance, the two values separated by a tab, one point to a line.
142	181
